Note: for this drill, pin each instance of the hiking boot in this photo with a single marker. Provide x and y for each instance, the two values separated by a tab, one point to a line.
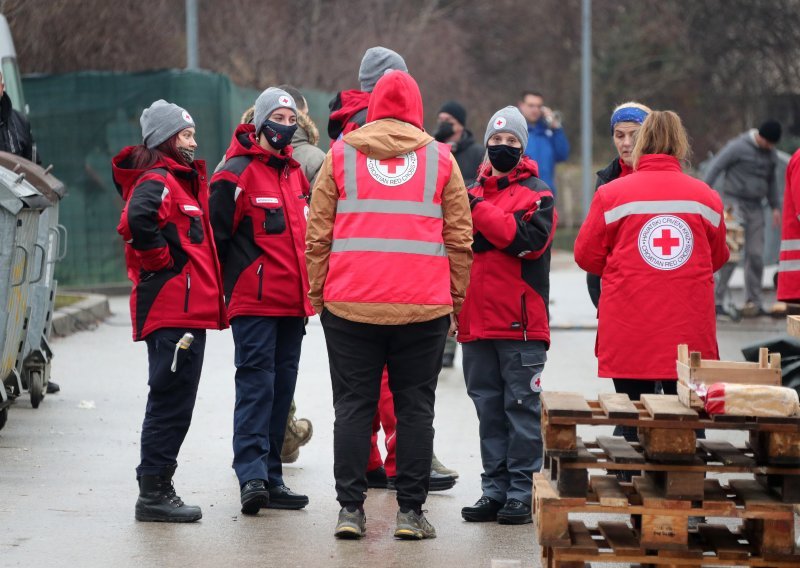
255	496
413	526
752	310
483	511
352	523
514	512
437	482
298	433
158	502
376	478
52	388
440	468
281	497
727	314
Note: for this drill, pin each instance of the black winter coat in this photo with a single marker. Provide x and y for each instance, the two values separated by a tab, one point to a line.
15	131
469	155
607	174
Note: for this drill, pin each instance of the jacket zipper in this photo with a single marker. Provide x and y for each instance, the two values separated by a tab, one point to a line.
524	305
188	288
260	273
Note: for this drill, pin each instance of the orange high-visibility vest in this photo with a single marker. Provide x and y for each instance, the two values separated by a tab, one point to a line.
387	238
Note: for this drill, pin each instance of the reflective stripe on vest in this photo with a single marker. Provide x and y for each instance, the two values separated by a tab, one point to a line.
790	245
788	265
388	245
354	204
663	207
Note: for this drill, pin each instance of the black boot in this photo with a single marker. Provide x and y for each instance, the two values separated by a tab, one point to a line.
158	502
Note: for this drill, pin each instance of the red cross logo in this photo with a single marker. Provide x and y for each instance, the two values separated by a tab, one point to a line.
666	242
392	164
500	122
284	100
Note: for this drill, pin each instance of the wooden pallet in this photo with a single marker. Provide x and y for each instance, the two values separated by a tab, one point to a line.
692	370
793	325
658	528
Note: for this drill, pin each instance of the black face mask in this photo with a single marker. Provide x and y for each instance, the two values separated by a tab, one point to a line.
444	131
504	157
278	135
187	154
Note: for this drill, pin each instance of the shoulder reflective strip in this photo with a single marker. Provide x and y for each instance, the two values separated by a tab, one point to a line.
164	194
788	265
790	244
663	207
190	208
350	183
389	206
237	193
388	245
272	200
431	170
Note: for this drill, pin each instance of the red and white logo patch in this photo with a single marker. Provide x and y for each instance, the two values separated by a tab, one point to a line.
393	171
666	242
500	122
187	117
285	101
536	382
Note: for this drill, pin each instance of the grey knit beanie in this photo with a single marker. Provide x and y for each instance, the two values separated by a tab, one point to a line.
268	102
161	120
510	120
377	61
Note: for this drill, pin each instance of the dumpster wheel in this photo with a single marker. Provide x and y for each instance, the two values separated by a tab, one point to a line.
36	388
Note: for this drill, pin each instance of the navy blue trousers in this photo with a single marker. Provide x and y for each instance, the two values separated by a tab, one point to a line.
267	357
170	402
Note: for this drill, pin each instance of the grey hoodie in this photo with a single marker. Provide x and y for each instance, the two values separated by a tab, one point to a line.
749	170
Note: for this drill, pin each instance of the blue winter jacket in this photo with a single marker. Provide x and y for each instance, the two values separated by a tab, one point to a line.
548	147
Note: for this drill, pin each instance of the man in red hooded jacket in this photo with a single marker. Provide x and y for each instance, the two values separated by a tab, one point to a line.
388	254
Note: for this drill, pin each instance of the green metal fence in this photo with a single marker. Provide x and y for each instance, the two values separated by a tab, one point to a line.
81	120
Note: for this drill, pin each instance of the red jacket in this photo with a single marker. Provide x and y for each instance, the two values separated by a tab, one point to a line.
789	266
169	248
348	112
259	204
514	220
656	237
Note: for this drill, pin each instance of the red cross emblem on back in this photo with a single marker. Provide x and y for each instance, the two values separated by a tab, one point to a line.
392	164
666	241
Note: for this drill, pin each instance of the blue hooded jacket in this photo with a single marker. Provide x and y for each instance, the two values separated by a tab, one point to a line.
547	146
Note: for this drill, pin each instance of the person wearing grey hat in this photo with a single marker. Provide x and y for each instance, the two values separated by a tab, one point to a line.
503	327
258	205
377	61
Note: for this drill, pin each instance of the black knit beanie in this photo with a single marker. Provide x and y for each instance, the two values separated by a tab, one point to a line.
770	130
456	111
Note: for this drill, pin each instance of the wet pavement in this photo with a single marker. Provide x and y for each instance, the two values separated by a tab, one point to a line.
67	481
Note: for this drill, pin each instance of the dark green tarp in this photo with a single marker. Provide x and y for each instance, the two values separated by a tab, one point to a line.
81	120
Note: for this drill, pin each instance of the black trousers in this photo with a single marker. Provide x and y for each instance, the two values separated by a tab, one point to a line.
170	402
635	388
357	353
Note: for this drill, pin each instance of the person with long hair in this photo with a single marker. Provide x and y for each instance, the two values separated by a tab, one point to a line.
177	291
655	237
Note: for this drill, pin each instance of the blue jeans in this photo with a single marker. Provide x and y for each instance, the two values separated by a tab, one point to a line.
267	357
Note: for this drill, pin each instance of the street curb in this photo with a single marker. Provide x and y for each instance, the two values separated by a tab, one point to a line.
82	315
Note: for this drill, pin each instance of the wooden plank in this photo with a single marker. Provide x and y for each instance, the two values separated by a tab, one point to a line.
620	537
747	376
552	527
582	540
793	325
668	445
771	536
619	450
727	453
782	448
679	484
664	532
559	438
565	404
654	498
667	407
723	542
617	405
688	397
786	486
756	498
716	498
683	353
608	490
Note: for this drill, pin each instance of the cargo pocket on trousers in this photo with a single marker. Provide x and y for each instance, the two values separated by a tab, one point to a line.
162	377
533	365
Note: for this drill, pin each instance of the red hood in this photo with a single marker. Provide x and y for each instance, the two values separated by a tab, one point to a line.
396	95
125	176
351	102
244	143
525	169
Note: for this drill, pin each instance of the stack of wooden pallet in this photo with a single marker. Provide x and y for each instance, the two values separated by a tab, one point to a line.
747	520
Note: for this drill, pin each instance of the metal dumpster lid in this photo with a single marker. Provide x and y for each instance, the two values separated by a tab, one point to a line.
14	187
40	178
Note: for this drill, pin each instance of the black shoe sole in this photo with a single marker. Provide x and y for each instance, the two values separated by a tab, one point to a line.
442	485
478	517
348	535
514	520
287	506
254	503
147	518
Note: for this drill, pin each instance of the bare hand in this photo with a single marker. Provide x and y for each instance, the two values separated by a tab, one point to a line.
776	217
550	117
453	326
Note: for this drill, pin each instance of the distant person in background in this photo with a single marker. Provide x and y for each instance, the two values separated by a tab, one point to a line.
452	129
305	137
748	164
626	120
789	265
349	108
547	143
15	131
172	261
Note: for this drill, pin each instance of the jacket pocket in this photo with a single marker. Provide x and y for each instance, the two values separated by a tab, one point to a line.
260	273
162	378
195	216
274	220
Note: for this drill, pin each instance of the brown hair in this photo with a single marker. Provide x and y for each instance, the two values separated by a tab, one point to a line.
142	157
662	132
